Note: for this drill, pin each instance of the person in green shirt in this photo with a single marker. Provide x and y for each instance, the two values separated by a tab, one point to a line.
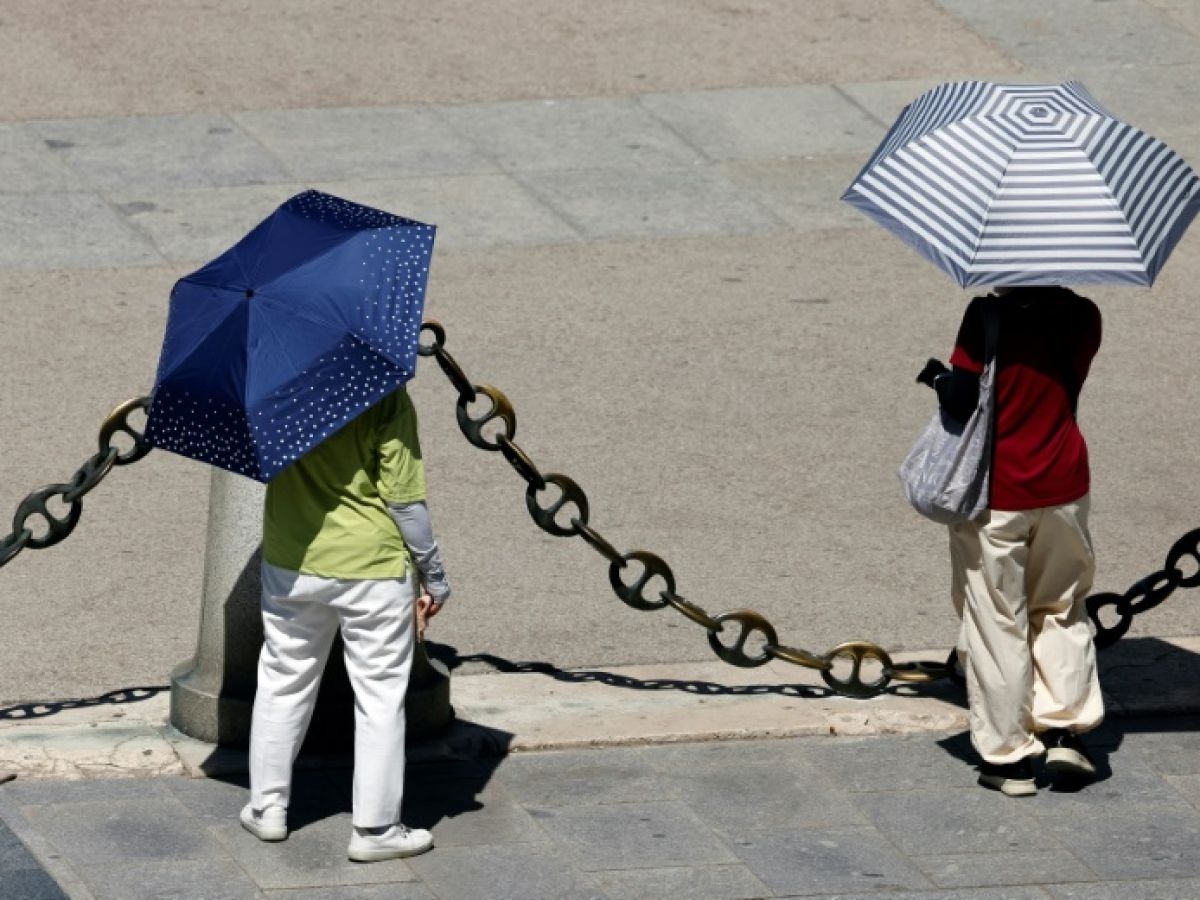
346	541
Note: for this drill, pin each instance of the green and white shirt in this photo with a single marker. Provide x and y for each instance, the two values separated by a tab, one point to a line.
326	514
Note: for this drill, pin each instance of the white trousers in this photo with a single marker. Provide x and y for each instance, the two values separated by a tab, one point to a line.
301	615
1019	583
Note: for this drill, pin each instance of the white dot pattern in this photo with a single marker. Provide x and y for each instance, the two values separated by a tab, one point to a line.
254	375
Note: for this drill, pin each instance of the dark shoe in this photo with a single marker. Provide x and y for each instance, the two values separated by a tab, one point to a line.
1066	755
1013	779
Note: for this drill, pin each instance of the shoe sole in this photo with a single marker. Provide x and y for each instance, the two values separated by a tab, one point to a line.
271	834
1010	787
364	856
1064	761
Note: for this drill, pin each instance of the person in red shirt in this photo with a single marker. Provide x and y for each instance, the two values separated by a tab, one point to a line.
1022	569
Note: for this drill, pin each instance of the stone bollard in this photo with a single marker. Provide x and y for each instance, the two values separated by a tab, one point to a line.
213	693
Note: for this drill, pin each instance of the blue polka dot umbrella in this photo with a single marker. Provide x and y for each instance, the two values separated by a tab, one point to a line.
279	342
1028	184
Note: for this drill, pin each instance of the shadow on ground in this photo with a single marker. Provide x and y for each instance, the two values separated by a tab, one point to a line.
44	709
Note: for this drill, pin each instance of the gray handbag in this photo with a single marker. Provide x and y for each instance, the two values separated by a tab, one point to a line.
946	475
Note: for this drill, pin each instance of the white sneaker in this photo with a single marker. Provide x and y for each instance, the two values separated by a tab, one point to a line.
268	824
394	843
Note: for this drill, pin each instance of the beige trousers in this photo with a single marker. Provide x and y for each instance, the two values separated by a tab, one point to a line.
1019	582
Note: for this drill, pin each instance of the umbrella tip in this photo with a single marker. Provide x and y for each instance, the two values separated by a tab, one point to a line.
249	293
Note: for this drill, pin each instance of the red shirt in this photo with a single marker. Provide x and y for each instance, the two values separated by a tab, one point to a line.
1047	339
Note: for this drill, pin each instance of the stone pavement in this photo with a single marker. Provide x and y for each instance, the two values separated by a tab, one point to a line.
820	816
654	782
640	242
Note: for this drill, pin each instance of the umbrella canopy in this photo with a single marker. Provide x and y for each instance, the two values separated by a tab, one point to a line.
1027	184
308	321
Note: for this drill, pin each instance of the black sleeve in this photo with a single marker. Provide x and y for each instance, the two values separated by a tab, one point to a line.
958	392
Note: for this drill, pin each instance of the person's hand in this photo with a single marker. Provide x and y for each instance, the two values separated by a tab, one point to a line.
427	608
932	370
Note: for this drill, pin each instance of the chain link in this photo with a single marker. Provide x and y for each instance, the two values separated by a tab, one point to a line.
728	633
1145	594
844	667
36	525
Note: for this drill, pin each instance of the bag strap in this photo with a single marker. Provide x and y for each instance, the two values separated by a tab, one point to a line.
1063	355
991	328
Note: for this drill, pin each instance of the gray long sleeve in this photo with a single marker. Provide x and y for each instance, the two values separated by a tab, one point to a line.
417	530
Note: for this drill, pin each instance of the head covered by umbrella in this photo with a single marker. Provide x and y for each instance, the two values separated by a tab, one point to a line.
306	322
1013	184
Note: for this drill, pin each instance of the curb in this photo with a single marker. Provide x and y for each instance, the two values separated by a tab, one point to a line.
544	708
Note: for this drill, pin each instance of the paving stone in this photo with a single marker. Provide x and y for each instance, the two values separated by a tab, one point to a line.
883	101
409	890
470	211
312	856
67	231
198	225
512	872
974	869
214	879
1132	787
1175	889
633	835
763	786
211	800
865	765
1187	785
1126	847
218	801
28	165
693	882
567	778
1184	12
768	123
1075	32
159	152
463	815
958	820
26	792
364	143
827	860
462	801
1175	751
591	133
105	832
804	193
610	203
13	853
228	54
30	884
1004	893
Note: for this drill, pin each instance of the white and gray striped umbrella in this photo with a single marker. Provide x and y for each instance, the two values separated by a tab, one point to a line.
1028	184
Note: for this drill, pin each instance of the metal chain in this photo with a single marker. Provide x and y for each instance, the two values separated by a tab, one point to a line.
859	669
1147	593
728	633
71	492
559	506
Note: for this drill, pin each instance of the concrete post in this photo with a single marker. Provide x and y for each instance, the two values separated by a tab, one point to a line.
212	694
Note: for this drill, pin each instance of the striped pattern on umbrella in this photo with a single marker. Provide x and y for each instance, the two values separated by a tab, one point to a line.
1028	184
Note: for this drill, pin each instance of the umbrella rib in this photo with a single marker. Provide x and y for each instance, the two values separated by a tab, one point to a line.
182	356
334	327
266	323
987	212
307	260
258	261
